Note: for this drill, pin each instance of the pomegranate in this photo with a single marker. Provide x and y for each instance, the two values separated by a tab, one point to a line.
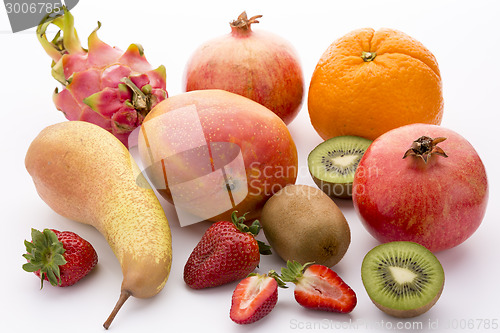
255	64
421	183
210	152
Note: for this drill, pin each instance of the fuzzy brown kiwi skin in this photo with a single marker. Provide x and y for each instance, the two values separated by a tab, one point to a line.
334	190
302	223
342	190
412	312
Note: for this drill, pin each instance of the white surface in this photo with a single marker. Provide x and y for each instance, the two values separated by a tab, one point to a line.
463	35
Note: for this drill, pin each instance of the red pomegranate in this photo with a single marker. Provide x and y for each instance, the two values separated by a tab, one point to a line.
421	183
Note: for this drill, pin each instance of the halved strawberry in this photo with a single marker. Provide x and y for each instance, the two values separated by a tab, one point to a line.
254	298
317	287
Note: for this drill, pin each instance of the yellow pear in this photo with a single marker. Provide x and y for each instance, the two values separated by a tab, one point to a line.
87	175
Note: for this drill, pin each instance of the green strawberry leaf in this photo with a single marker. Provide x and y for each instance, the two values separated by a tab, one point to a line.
58	260
53	279
50	236
37	238
29	246
264	248
254	229
29	267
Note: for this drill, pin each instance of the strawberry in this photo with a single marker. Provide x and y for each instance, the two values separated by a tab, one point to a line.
60	257
317	287
254	297
228	251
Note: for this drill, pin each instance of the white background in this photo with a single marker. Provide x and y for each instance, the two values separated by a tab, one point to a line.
464	37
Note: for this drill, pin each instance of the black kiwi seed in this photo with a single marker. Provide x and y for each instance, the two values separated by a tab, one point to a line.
332	164
403	279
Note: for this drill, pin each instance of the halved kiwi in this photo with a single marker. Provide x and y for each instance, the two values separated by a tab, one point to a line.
332	164
403	279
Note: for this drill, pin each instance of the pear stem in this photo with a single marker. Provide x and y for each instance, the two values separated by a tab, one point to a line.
124	295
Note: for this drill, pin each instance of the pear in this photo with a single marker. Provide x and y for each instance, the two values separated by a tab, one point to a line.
86	174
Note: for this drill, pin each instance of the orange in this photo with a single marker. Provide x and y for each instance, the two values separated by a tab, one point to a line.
369	82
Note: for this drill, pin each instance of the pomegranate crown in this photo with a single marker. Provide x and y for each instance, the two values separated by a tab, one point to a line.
424	147
243	22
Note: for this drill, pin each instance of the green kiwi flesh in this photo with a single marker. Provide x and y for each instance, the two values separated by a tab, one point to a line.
403	279
333	162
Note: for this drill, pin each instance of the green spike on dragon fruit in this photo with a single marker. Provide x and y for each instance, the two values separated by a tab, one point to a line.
102	85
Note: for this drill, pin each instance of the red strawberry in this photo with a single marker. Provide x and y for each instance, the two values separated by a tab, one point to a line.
62	258
228	251
317	287
254	298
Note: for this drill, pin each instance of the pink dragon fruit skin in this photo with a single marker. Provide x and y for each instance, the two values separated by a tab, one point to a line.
102	85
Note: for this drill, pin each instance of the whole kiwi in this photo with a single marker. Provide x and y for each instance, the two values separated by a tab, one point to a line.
302	223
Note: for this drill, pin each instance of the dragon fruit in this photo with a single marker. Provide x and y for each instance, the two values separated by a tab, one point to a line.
102	85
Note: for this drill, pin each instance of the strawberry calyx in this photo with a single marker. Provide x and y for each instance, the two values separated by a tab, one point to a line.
253	230
45	254
293	271
272	274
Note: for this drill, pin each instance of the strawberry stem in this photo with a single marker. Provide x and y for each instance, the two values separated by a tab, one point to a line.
272	273
124	295
264	249
282	284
